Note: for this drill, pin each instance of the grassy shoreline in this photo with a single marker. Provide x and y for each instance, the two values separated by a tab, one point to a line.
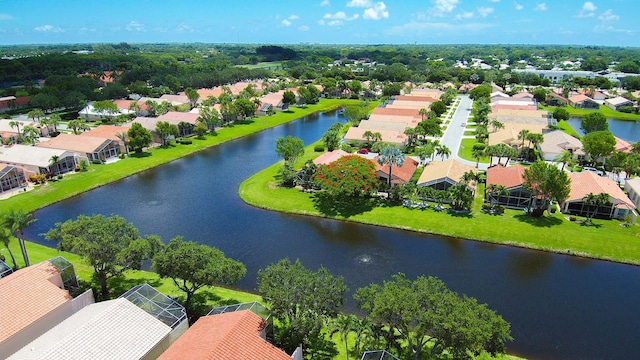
606	240
606	111
100	175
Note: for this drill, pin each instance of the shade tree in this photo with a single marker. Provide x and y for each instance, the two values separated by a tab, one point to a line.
546	183
350	175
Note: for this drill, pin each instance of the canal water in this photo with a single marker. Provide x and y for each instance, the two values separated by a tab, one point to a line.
559	307
626	130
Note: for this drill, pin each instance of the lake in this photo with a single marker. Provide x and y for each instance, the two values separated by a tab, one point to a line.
559	307
626	130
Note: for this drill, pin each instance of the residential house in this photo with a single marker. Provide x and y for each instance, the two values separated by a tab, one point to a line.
583	102
399	174
34	160
432	93
632	187
236	335
556	100
382	125
441	175
89	113
523	95
34	299
109	132
509	134
512	178
11	178
92	149
408	104
356	134
128	105
588	182
409	97
329	157
617	102
557	141
623	145
11	102
184	121
175	99
467	87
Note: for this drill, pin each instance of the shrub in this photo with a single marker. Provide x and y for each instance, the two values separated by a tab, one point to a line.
96	161
318	148
83	166
184	141
121	156
347	148
38	179
627	109
572	218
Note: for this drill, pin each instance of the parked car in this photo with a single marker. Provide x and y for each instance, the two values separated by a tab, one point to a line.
592	169
363	151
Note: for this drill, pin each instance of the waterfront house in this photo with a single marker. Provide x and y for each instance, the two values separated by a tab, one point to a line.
557	141
512	178
34	160
441	175
88	148
588	182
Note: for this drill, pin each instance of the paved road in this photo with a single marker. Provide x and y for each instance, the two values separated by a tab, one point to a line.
453	136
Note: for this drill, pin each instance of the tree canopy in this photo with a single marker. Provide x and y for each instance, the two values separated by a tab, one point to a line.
110	245
192	266
547	182
599	144
350	175
139	137
426	312
289	148
595	121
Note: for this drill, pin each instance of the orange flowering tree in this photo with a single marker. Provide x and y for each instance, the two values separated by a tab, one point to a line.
350	175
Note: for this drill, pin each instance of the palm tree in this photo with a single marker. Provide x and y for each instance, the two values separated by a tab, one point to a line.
35	114
54	120
564	157
425	151
16	124
468	177
411	135
535	139
78	124
495	191
135	107
376	136
477	154
522	135
368	135
54	162
497	125
344	324
16	221
125	141
5	238
443	151
597	201
31	134
461	196
423	113
393	156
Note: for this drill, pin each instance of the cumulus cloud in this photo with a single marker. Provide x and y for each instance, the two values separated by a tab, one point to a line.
359	3
135	26
286	22
518	6
588	10
540	7
485	11
5	17
325	3
49	28
376	12
293	17
443	7
608	16
607	23
303	28
340	15
465	15
494	1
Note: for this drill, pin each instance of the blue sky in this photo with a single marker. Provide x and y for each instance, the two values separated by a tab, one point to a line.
570	22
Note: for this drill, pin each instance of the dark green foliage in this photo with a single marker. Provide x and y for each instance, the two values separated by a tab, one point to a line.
595	121
439	108
318	148
482	91
547	182
599	144
139	137
289	148
561	114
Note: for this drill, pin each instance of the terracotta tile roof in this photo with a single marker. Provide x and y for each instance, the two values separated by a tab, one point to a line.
513	107
182	99
76	143
329	157
523	95
125	104
399	174
579	98
509	135
106	131
509	177
383	125
29	294
409	121
586	182
623	145
439	170
434	93
176	117
417	105
517	112
392	111
415	98
390	136
229	336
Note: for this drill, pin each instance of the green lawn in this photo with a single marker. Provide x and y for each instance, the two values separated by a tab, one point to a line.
604	240
98	175
606	111
466	151
564	126
469	132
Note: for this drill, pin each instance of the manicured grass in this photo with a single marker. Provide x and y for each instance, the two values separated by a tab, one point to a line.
605	240
469	132
606	111
98	175
466	151
564	126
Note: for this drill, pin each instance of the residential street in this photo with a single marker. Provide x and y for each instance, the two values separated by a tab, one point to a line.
455	130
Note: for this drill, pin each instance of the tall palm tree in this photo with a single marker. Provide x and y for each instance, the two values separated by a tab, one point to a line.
564	157
53	120
35	114
31	134
5	239
497	125
522	135
16	124
54	162
393	156
443	151
125	141
495	191
344	324
376	136
468	177
597	201
368	135
477	154
423	113
461	196
16	221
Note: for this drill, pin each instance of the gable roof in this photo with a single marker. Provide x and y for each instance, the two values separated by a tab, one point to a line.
618	101
390	136
31	155
29	294
580	98
106	131
76	143
399	174
396	111
623	145
440	170
229	336
329	157
175	117
509	177
556	141
586	182
113	329
509	135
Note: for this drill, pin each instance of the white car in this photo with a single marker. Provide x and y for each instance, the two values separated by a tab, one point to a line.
592	169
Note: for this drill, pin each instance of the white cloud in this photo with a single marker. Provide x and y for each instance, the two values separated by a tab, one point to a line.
359	3
485	11
294	17
182	28
335	23
607	20
340	15
608	16
376	12
325	3
135	26
518	6
416	27
303	28
540	7
5	17
443	7
588	10
465	15
286	22
49	28
494	1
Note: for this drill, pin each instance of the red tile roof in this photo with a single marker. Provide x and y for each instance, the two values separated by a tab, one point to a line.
399	174
229	336
329	157
586	182
106	131
415	98
391	111
29	294
177	116
508	177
